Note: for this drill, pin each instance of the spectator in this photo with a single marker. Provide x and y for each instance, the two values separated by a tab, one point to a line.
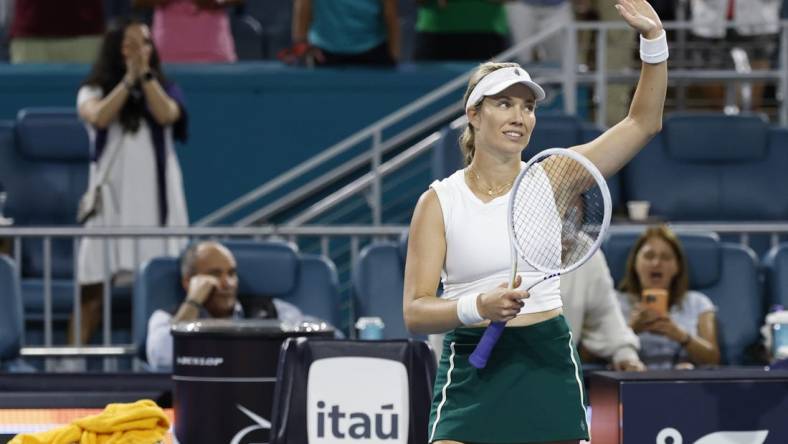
67	31
594	315
756	27
527	18
133	114
687	335
189	31
466	30
208	274
345	32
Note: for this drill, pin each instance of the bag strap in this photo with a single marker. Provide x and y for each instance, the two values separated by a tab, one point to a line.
104	173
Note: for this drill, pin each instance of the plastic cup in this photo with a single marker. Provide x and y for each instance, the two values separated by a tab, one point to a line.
638	209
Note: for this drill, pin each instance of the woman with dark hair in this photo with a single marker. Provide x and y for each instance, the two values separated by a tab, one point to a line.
133	115
683	331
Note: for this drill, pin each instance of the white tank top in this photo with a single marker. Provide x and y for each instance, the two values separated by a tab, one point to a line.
477	247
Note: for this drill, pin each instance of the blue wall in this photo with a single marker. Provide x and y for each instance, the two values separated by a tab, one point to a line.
249	122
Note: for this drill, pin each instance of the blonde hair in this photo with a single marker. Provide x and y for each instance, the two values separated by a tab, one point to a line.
468	137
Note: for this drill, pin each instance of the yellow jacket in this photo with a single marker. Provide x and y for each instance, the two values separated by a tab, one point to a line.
141	422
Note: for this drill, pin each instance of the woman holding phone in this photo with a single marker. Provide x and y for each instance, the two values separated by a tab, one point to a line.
677	326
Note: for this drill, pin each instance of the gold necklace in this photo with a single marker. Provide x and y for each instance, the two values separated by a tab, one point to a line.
490	190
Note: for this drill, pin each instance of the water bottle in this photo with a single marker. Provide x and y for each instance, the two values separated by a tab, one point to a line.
779	334
370	328
3	197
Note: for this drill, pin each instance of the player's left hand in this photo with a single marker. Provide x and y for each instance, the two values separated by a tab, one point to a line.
641	16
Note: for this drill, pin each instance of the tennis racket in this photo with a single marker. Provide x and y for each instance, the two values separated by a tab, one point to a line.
558	214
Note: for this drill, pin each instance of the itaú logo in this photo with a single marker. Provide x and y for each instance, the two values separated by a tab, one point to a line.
749	437
357	400
357	425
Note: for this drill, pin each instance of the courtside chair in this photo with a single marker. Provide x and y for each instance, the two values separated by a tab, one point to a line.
725	272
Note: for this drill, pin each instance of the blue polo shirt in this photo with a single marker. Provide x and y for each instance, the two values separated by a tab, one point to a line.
347	26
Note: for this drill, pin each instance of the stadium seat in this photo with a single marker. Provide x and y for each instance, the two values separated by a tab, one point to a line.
552	130
446	155
713	167
377	284
389	382
726	273
11	321
775	265
265	268
44	165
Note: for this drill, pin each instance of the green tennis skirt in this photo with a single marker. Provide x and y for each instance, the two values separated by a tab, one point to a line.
530	391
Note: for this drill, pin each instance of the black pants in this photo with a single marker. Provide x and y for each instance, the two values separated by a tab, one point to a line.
458	46
379	56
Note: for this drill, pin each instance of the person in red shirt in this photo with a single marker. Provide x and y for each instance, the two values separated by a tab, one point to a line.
67	31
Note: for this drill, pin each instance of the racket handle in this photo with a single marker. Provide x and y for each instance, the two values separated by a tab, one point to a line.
485	346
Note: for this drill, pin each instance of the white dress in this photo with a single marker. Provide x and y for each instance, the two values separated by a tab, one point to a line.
129	198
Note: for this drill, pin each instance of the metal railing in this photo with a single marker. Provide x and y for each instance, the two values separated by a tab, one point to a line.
356	235
567	77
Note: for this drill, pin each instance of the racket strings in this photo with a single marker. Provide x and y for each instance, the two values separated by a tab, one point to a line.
555	223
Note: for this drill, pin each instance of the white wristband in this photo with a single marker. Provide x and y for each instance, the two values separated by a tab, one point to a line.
654	51
467	311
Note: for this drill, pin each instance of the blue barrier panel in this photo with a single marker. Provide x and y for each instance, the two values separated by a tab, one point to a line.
252	121
700	407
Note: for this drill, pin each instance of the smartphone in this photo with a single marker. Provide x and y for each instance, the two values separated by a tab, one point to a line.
655	299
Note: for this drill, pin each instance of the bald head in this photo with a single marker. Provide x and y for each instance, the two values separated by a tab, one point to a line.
212	259
201	249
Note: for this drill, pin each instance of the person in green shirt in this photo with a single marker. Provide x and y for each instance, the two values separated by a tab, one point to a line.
460	29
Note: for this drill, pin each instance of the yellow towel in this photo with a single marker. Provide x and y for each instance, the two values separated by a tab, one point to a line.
141	422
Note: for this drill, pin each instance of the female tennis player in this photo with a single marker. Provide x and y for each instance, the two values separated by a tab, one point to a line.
531	389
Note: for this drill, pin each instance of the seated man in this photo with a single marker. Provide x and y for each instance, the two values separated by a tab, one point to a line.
208	273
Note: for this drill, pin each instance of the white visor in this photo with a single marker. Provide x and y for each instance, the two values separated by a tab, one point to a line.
499	80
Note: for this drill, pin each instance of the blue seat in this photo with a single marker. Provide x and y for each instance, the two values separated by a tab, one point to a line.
44	165
378	278
446	156
775	265
390	381
726	273
11	320
273	269
713	167
552	130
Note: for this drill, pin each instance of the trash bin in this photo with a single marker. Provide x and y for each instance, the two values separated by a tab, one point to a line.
224	373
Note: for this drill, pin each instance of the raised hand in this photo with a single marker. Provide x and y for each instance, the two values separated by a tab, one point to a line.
641	16
136	50
201	287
